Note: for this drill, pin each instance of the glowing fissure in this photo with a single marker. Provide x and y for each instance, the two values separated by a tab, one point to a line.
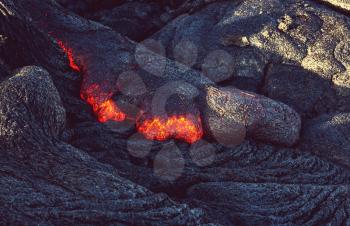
177	126
182	127
69	54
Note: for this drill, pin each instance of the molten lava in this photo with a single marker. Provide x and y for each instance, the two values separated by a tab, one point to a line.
109	111
105	110
187	128
177	126
69	54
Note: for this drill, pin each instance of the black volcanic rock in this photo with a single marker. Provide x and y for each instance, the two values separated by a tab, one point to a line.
60	166
309	38
270	204
298	88
338	4
263	118
327	136
52	182
136	20
87	6
104	55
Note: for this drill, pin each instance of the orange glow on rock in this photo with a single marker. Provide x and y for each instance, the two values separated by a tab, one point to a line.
105	110
182	127
109	111
179	127
69	54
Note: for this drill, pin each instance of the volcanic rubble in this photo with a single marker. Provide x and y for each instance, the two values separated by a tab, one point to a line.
194	112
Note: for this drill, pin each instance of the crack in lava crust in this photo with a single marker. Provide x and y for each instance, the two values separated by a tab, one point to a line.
69	54
182	127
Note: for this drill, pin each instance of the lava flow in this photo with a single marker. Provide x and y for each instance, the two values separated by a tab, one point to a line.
177	126
181	127
106	110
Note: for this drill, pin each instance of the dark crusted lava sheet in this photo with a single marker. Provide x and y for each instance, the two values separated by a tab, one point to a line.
202	112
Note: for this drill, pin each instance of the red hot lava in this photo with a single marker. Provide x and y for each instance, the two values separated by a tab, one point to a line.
177	126
69	54
182	127
106	110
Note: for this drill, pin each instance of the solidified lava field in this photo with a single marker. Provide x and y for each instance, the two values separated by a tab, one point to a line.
188	112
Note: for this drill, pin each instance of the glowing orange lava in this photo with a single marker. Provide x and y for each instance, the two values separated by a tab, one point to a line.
109	111
69	54
182	127
106	110
177	126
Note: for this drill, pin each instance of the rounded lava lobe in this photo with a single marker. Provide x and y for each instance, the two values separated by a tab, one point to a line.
228	133
30	103
229	110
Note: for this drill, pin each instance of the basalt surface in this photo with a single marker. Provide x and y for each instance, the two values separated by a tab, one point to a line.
262	86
